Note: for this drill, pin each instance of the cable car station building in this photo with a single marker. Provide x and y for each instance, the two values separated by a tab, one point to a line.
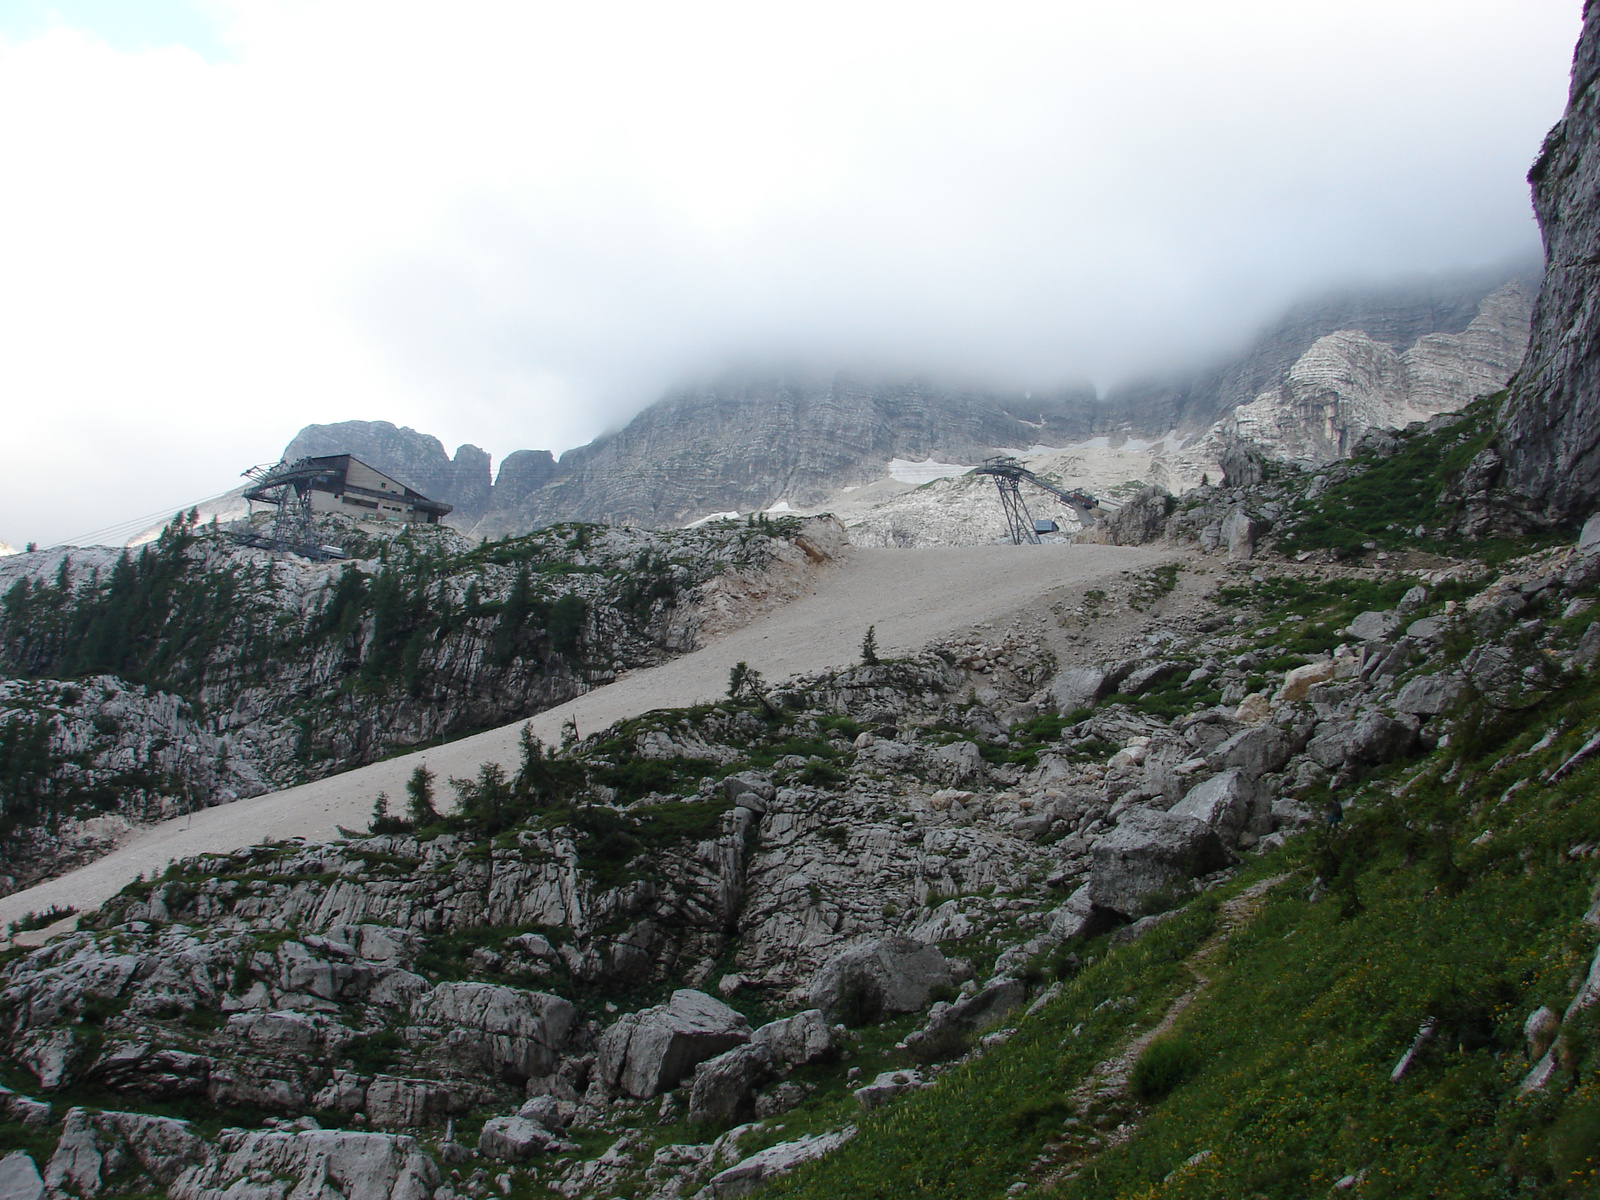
349	486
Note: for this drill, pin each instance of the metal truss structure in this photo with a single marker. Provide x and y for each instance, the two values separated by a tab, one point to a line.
1009	474
287	488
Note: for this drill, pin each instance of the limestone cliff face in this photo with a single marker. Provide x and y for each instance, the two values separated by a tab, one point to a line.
1341	362
745	445
1551	439
1349	382
417	460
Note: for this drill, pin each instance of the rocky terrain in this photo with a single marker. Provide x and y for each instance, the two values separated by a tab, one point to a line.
1310	387
674	957
197	671
1551	426
1270	871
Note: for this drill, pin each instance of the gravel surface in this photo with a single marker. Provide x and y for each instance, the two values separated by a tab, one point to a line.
911	596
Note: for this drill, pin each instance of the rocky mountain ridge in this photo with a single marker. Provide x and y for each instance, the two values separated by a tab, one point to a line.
745	445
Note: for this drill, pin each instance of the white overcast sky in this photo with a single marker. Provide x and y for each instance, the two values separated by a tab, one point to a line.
515	223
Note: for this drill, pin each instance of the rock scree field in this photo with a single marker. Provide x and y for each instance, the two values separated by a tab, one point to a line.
910	598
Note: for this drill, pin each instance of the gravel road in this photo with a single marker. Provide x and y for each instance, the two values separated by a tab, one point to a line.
911	596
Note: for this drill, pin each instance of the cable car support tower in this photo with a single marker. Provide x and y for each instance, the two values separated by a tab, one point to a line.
1009	474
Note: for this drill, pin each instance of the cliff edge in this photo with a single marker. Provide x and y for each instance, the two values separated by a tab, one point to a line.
1551	438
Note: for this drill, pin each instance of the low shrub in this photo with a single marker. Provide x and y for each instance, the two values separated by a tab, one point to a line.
1165	1063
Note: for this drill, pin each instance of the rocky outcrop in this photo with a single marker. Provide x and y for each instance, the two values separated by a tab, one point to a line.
442	638
352	1165
1349	382
879	979
1148	853
1550	439
648	1052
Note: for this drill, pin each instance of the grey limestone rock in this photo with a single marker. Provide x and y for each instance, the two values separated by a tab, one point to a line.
499	1028
1550	432
645	1053
1240	532
1148	852
1221	802
956	764
751	782
1429	695
356	1166
724	1088
879	979
1371	739
1144	678
20	1178
1077	687
1256	751
749	1173
885	1087
983	1008
511	1139
1376	626
802	1038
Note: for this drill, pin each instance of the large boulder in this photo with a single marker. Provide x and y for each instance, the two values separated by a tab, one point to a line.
313	1162
20	1178
879	979
1376	626
802	1038
1240	532
1298	681
958	763
1079	917
724	1090
511	1139
1429	695
1255	752
1076	688
1142	679
750	1173
983	1008
648	1052
1221	802
483	1026
1367	741
1149	852
885	1087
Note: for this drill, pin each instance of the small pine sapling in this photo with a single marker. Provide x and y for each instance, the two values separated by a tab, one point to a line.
869	647
419	789
744	682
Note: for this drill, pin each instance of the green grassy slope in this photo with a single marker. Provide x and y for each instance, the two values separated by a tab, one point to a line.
1452	900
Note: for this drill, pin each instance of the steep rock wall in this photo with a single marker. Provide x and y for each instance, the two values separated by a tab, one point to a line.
1551	438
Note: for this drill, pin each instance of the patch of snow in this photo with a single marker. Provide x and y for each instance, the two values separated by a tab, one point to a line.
710	517
782	506
903	470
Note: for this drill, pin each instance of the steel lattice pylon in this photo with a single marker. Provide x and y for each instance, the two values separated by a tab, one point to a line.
287	487
1019	521
1009	474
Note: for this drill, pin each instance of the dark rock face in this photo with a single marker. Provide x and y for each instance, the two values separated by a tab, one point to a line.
1551	440
1396	316
744	445
417	460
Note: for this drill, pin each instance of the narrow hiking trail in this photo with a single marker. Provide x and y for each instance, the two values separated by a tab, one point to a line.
911	596
1103	1101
